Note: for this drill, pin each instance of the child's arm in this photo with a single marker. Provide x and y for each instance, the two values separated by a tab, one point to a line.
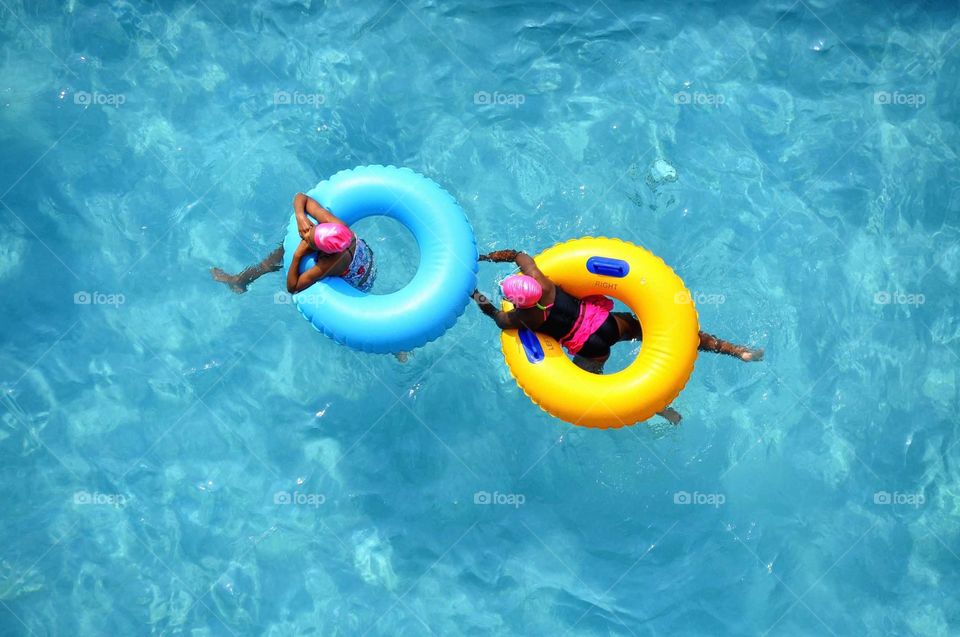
297	282
318	212
529	267
523	260
303	206
504	320
499	256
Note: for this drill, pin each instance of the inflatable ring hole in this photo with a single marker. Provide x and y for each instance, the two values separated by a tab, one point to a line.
395	250
623	353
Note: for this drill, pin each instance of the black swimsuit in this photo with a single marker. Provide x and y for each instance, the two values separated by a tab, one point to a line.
564	319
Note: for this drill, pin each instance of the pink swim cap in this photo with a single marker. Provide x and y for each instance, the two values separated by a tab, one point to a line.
521	290
332	237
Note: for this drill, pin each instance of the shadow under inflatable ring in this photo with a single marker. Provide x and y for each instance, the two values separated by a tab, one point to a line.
432	301
653	292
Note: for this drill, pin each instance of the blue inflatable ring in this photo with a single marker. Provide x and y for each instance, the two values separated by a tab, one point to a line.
427	306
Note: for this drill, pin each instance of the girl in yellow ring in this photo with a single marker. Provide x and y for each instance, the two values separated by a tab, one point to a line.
586	327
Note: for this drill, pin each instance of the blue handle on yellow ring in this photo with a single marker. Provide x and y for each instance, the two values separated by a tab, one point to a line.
531	345
606	266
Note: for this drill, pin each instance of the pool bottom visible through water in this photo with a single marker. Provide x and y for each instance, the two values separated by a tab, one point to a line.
177	458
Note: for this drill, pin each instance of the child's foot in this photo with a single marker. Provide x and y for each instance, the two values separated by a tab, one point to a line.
672	415
230	279
752	355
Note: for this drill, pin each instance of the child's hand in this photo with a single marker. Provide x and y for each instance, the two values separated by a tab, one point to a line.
305	230
480	298
499	256
304	247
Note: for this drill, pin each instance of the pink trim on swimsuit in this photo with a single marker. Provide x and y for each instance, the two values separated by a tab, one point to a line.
594	310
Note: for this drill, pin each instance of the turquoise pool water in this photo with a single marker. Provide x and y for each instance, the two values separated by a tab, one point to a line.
176	459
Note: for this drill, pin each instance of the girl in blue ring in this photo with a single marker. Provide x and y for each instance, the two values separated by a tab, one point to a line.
339	253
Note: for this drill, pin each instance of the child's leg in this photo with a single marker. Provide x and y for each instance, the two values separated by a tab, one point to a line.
592	365
710	343
630	331
239	282
672	415
629	326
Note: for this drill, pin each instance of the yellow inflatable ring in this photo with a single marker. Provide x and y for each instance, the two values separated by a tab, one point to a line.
652	291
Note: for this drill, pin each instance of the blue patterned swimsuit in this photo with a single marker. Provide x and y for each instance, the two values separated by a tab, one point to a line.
362	269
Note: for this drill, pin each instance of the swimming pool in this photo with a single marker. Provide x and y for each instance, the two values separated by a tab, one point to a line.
176	458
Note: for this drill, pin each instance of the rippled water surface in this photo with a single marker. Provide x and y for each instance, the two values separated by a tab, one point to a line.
177	459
